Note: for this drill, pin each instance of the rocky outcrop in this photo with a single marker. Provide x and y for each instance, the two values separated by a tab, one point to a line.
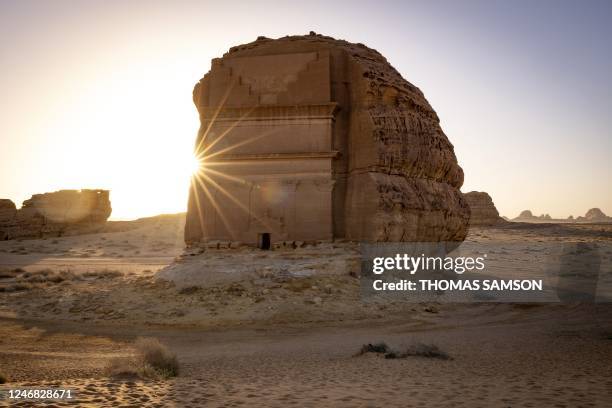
483	211
527	216
344	147
594	215
64	212
7	217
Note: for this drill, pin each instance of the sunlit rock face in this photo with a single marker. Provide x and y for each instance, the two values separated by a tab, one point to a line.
64	212
312	138
483	211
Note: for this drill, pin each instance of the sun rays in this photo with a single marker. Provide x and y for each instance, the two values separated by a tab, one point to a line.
205	188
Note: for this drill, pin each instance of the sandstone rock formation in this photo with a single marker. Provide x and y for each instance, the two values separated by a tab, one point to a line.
527	216
7	208
312	138
64	212
594	215
483	210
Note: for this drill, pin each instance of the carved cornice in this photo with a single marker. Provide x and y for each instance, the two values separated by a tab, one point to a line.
273	156
269	112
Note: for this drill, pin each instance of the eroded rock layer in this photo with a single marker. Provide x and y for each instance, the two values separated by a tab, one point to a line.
312	138
483	209
64	212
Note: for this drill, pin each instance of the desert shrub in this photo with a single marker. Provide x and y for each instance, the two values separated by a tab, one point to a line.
47	275
102	274
123	368
7	273
189	290
10	273
3	379
374	348
60	277
157	356
414	350
36	276
152	360
420	350
16	287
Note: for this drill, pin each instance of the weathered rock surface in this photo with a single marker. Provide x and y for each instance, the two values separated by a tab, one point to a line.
64	212
321	139
483	210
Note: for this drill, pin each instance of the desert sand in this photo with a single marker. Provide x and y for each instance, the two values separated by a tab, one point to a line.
271	335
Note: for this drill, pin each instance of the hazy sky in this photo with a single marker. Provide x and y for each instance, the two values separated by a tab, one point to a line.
98	94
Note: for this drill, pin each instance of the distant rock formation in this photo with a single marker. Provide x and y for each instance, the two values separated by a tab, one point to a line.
332	143
64	212
594	215
527	214
482	208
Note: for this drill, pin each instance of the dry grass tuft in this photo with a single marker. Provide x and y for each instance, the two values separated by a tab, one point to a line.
47	276
21	280
16	287
189	290
8	273
414	350
420	350
374	348
158	357
153	360
102	274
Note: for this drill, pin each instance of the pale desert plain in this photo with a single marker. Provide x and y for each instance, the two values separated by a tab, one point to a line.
276	334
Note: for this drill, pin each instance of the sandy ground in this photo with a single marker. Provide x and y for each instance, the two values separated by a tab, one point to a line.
281	336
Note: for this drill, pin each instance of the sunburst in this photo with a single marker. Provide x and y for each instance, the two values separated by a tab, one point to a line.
203	174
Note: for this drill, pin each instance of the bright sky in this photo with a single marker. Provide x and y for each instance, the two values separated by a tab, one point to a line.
98	94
